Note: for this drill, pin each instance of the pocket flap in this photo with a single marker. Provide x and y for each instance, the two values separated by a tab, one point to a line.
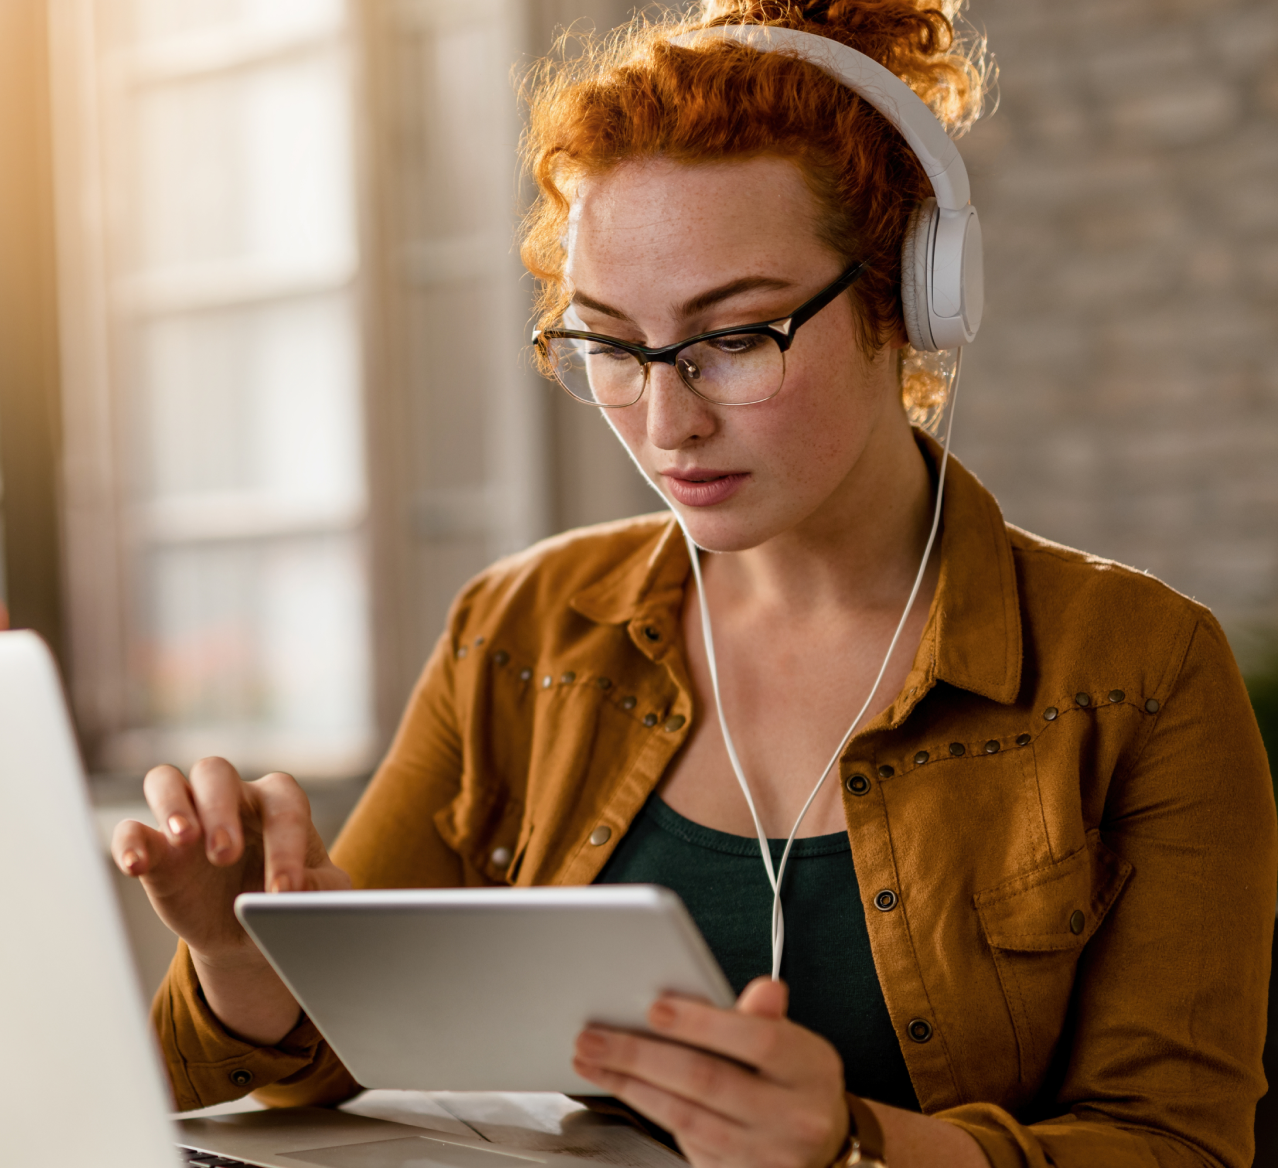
1054	908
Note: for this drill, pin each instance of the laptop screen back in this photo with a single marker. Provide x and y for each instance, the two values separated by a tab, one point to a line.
80	1081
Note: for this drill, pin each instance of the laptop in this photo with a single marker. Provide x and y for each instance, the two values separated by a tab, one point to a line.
81	1082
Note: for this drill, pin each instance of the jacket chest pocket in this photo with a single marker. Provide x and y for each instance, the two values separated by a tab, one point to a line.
1037	925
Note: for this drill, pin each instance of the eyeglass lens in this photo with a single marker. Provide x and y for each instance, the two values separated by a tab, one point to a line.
738	369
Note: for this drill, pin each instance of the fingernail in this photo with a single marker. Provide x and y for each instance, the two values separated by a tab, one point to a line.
662	1015
282	884
178	824
130	860
220	843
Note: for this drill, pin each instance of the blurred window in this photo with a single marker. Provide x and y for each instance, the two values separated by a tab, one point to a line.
216	480
287	237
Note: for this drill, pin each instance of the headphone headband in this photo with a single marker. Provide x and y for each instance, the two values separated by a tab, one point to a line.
882	88
942	272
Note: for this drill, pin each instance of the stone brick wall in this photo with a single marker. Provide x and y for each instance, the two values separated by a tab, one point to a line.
1123	394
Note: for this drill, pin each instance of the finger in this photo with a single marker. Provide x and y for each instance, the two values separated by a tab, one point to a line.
285	812
218	790
776	1046
702	1156
136	848
705	1079
169	798
765	998
790	1129
691	1123
808	1127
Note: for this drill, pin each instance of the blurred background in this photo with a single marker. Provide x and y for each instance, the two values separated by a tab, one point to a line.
264	396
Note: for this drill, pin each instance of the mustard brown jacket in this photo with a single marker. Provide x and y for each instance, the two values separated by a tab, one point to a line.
1069	796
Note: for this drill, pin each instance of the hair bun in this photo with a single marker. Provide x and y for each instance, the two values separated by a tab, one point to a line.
917	39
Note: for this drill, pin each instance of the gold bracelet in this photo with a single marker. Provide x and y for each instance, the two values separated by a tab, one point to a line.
864	1143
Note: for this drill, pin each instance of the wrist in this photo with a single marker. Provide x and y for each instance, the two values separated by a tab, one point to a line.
242	958
245	995
864	1143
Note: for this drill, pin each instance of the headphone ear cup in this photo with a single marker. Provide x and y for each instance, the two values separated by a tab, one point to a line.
914	275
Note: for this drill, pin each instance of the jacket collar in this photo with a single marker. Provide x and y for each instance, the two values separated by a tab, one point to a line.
976	612
648	578
973	634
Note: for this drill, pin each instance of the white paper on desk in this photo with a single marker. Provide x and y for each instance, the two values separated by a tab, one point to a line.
547	1122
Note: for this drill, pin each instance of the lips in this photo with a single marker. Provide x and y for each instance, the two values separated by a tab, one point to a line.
703	488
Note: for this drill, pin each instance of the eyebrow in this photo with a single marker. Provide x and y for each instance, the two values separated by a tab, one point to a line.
696	304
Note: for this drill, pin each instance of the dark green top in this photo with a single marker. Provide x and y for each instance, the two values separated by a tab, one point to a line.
834	988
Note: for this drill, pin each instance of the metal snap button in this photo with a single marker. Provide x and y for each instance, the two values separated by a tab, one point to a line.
885	901
461	651
1077	921
241	1077
501	656
601	835
629	703
478	641
1050	714
1083	699
957	749
858	784
673	723
1022	740
1152	706
650	719
500	857
991	747
604	683
547	681
568	678
920	758
1116	695
919	1030
525	674
886	772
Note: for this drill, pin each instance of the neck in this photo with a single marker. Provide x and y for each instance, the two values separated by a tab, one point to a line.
860	550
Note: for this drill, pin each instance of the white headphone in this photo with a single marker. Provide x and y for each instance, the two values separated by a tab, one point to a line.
942	270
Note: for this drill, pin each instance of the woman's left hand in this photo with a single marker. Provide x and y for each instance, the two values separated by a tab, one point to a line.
758	1090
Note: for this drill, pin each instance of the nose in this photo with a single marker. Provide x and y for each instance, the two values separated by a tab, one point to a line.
676	415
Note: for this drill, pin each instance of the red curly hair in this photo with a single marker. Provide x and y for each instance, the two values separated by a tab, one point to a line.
635	95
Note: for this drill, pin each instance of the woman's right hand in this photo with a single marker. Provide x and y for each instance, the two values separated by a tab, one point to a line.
222	836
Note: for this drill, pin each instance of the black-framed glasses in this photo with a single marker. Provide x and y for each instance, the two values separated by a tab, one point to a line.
738	366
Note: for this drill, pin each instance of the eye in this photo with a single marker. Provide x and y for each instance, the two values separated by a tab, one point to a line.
610	352
738	344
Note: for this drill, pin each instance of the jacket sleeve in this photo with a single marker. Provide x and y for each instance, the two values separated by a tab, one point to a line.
1168	1017
390	841
207	1064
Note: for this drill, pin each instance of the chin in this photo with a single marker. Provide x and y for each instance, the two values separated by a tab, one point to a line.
720	533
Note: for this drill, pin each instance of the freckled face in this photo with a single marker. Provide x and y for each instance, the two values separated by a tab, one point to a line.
646	241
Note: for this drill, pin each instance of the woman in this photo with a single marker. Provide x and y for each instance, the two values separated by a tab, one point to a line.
1028	917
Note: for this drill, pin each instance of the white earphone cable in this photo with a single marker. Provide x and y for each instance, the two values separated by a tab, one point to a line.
776	873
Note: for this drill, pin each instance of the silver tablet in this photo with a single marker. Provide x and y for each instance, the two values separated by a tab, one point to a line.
479	989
